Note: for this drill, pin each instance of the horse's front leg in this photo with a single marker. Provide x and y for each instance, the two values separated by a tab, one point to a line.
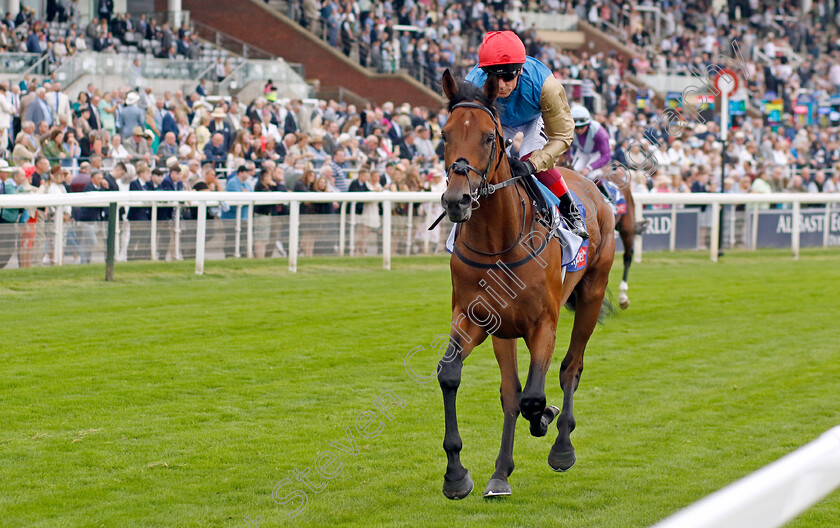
540	341
457	483
510	389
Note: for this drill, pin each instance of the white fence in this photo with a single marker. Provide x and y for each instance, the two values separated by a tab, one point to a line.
771	496
241	230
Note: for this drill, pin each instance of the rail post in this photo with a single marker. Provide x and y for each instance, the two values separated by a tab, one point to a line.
294	235
386	234
112	240
200	234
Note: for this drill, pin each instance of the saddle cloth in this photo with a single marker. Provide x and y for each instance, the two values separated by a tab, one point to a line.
619	204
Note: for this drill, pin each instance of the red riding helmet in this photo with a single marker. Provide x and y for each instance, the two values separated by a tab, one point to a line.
501	52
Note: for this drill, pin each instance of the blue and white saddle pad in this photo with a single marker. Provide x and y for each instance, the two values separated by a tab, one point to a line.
619	204
575	249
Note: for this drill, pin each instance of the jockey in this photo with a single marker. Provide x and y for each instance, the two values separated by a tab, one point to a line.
592	148
533	102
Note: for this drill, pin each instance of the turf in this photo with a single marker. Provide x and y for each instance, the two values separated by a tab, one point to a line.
169	399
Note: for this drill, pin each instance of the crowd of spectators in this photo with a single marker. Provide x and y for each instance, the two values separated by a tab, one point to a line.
138	139
800	53
125	140
786	52
59	34
426	37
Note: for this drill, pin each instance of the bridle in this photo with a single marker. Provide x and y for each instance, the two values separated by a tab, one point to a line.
462	167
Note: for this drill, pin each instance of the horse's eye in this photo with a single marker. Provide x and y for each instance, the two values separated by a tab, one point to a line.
490	139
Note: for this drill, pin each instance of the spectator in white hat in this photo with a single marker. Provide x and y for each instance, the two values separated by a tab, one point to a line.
130	116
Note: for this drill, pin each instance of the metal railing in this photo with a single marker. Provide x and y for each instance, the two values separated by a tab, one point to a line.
656	13
550	21
14	62
40	67
206	73
278	70
758	202
230	43
166	16
68	71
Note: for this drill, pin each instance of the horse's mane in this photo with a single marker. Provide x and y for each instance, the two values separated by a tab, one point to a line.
468	92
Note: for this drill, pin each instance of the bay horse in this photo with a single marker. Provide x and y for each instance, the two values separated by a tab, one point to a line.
625	222
626	225
529	285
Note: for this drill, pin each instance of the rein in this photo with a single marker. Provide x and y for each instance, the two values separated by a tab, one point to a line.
485	189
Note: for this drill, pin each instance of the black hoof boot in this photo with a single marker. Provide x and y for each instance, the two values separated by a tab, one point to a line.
458	489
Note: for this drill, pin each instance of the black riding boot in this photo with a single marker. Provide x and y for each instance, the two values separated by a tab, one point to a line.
570	212
602	186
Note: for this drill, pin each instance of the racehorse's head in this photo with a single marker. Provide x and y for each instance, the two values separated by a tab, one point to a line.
472	143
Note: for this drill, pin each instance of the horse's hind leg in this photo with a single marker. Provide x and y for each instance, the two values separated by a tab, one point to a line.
510	389
590	296
457	483
540	343
627	236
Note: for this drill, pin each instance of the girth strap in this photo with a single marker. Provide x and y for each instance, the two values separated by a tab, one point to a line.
521	262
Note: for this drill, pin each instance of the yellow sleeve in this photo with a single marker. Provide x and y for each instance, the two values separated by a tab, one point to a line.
559	126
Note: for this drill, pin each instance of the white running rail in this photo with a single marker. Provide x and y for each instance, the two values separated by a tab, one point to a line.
387	199
773	495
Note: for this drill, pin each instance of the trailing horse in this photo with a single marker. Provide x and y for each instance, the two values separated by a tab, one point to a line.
508	283
625	221
628	228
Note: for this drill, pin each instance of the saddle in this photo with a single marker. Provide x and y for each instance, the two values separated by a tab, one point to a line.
538	200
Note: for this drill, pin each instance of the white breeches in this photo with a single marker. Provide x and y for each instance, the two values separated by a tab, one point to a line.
581	161
534	139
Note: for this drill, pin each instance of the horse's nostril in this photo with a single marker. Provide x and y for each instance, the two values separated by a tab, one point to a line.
465	199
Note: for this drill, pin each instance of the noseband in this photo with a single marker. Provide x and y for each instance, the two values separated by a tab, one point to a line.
461	166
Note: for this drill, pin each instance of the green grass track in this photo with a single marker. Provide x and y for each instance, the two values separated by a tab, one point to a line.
167	399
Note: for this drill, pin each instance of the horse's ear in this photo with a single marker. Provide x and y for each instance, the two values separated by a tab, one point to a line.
491	87
450	88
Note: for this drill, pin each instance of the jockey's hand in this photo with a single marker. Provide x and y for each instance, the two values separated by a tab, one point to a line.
521	168
584	171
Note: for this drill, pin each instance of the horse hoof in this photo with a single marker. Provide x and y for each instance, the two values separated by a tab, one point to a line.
562	461
540	428
624	304
456	490
497	488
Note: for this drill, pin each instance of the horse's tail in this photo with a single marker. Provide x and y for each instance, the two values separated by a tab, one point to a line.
608	306
641	226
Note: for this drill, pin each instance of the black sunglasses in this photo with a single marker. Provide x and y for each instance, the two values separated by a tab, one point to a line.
509	76
506	76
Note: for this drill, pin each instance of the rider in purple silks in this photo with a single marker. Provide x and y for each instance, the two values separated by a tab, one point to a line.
591	145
